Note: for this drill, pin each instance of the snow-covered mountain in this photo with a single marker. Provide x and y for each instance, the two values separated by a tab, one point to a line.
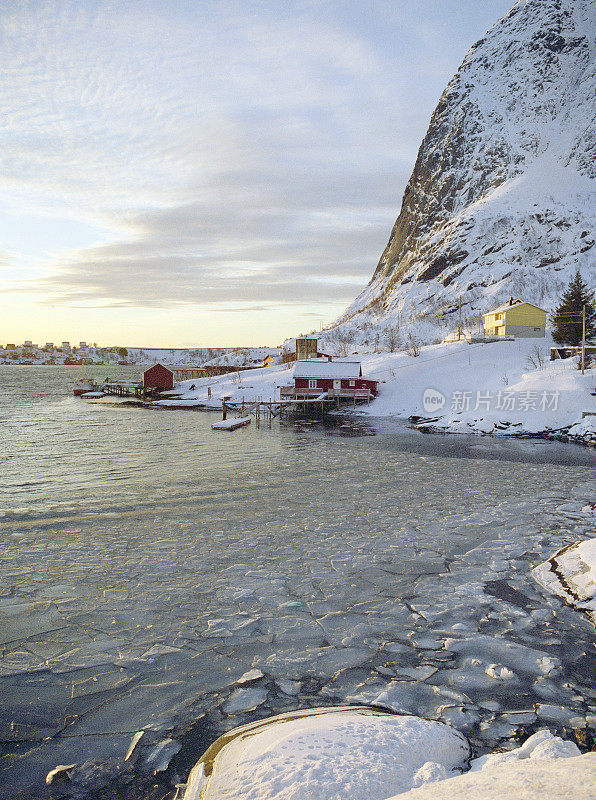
501	199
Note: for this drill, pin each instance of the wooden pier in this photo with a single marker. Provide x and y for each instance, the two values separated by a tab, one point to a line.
300	403
129	389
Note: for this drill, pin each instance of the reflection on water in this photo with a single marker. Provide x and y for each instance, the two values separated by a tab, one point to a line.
63	454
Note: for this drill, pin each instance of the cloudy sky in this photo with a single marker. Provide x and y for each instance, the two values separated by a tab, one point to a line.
208	172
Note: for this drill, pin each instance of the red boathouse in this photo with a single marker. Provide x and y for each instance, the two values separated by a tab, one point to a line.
158	378
335	379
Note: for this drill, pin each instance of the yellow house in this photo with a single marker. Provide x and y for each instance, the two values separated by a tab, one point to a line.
306	347
269	360
516	318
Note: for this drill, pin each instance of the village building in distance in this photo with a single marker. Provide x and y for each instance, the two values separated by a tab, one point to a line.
516	318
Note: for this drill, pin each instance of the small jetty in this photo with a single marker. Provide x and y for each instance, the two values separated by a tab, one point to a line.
124	389
154	380
231	424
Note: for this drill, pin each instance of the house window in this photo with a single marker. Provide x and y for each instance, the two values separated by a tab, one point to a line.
352	384
312	383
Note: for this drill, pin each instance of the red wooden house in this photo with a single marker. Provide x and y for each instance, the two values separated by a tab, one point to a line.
158	377
339	379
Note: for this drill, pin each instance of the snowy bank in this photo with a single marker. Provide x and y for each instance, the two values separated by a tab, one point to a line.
327	753
499	388
547	402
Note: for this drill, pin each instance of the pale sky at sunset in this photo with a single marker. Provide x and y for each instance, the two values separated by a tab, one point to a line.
200	173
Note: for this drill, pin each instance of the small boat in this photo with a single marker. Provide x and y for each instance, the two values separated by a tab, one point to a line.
231	424
83	385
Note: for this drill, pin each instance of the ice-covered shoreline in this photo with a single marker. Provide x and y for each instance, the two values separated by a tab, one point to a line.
503	388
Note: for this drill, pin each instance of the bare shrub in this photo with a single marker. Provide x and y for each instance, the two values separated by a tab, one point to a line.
535	358
413	346
392	340
342	340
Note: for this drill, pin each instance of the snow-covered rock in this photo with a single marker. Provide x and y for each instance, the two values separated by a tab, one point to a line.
328	754
529	779
501	199
571	574
356	752
542	746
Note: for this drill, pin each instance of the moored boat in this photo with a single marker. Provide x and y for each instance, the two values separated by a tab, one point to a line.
83	385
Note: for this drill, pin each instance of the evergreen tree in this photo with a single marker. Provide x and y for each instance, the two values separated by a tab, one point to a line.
567	329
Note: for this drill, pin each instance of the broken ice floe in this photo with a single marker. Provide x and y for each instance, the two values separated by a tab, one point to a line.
60	770
245	700
133	743
160	756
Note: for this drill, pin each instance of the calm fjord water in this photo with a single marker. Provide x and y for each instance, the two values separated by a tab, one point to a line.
148	562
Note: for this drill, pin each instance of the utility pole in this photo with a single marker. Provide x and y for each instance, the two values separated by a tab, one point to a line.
583	338
576	314
459	324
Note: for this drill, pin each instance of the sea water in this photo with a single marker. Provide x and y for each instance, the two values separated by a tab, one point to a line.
162	577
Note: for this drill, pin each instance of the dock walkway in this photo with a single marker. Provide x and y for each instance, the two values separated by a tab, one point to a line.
315	403
128	389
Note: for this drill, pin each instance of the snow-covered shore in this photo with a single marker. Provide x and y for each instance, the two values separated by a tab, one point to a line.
499	388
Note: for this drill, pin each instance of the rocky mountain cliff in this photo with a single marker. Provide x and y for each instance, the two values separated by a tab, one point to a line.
501	199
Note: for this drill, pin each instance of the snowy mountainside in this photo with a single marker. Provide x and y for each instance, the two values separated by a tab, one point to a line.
501	199
242	357
172	356
199	356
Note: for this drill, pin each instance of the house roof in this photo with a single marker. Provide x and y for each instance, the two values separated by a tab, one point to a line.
516	303
153	366
323	368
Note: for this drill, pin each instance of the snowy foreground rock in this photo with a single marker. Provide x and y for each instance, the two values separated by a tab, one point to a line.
363	754
571	574
569	779
328	754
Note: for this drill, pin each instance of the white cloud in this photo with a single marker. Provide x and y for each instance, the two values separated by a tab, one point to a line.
204	136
